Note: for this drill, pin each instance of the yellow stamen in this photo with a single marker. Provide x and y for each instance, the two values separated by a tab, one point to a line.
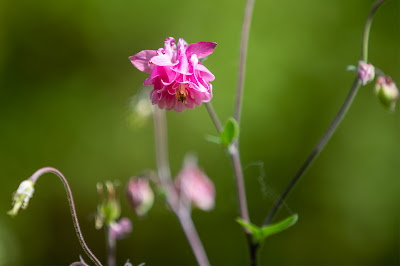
181	93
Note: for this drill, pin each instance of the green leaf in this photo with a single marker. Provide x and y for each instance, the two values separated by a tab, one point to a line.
254	229
230	132
278	227
259	234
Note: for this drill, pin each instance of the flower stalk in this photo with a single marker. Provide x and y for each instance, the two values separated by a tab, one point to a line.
181	211
28	193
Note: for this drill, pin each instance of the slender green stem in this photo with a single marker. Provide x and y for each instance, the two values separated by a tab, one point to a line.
78	231
164	173
248	12
335	123
367	29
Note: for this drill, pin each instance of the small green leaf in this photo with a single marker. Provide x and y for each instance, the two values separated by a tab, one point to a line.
230	132
254	229
259	234
278	227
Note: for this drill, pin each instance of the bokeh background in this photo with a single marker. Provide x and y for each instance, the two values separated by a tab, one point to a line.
66	101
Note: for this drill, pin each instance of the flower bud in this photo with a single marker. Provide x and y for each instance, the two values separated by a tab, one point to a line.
121	229
193	184
366	72
140	195
109	209
22	196
387	92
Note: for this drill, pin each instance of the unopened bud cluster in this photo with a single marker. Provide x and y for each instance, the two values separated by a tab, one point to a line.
385	89
109	209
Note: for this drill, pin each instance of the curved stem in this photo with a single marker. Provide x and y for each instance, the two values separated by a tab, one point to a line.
78	231
367	29
164	173
242	58
339	117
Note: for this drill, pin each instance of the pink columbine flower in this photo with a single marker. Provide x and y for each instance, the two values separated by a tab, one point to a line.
194	185
179	79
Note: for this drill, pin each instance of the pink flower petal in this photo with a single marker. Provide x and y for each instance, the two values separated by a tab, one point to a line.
141	60
201	49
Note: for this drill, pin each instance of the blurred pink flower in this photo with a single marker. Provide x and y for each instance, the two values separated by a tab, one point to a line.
140	195
180	80
194	185
121	229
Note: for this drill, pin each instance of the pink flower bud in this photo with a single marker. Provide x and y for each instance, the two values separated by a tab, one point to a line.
387	91
366	72
194	185
140	196
121	229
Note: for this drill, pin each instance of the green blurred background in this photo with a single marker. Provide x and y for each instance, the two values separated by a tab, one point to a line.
66	89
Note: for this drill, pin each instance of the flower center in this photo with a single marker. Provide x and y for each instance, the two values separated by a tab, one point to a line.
181	93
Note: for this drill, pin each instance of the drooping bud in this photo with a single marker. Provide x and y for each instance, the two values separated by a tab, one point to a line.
366	72
193	184
387	92
22	196
109	209
140	195
121	229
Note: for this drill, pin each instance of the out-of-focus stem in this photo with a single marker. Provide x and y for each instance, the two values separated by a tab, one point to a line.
164	173
111	243
367	29
78	231
214	116
248	12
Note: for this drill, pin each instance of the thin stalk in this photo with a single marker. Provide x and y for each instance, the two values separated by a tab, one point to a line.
335	123
111	243
214	116
164	172
248	12
367	29
78	231
237	166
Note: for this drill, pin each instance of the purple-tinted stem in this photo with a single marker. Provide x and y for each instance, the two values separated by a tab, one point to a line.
111	243
242	58
237	167
164	173
78	231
